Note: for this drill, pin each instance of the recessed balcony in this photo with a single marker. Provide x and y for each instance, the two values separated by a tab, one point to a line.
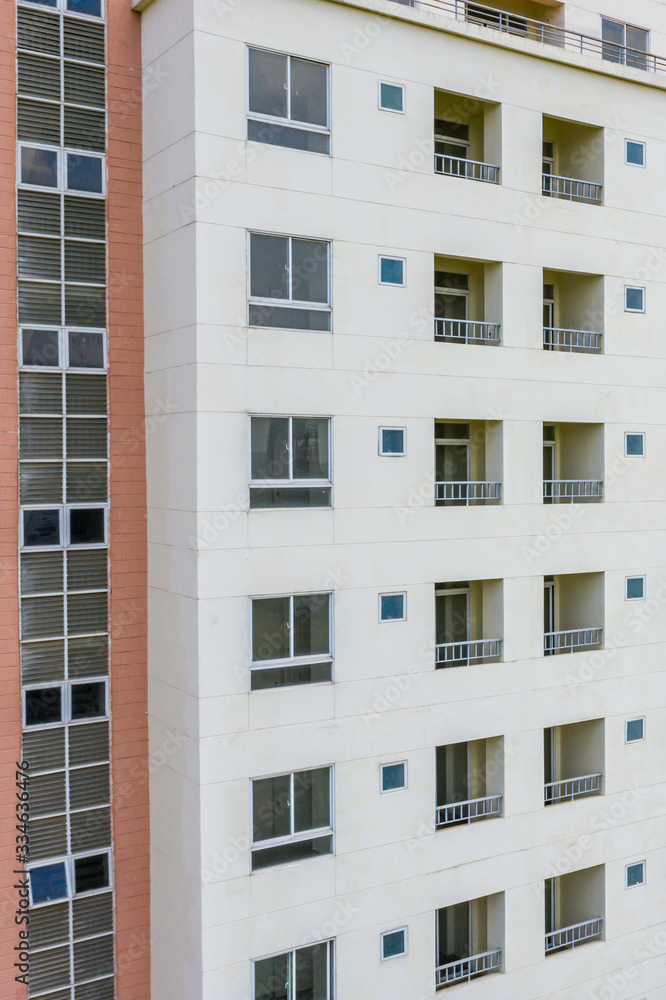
573	463
572	604
573	761
469	619
469	782
573	312
574	907
467	454
468	301
469	940
467	137
573	161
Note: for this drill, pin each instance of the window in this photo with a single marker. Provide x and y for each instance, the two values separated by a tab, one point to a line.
88	701
43	706
392	607
392	97
634	588
288	101
392	441
303	974
61	169
83	526
87	526
394	943
634	299
69	877
91	873
93	8
635	874
634	153
291	640
41	527
393	776
289	283
624	43
62	349
392	271
634	445
451	296
452	139
291	817
290	462
58	704
48	883
634	730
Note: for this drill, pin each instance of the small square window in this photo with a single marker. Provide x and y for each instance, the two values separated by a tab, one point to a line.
634	730
634	588
634	445
86	350
392	97
91	873
392	271
43	706
41	527
635	874
88	700
84	173
634	153
39	167
39	348
48	883
392	607
634	299
394	777
394	943
392	440
87	526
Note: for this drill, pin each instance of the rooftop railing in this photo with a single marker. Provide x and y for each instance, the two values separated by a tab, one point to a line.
466	331
570	188
572	641
469	811
466	492
467	968
571	490
454	654
572	788
569	937
473	170
571	340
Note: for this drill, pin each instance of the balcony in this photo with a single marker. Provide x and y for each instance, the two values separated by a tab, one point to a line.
557	339
469	782
573	761
467	142
468	299
573	161
465	455
569	937
573	463
468	618
574	905
572	490
469	940
467	332
554	186
573	601
573	312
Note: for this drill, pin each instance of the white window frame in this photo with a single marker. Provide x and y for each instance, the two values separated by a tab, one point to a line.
392	593
641	434
64	521
401	954
391	284
294	661
60	6
294	838
66	703
278	119
391	763
279	484
626	588
634	864
635	142
61	161
398	86
289	303
69	861
392	454
638	718
624	25
466	144
330	976
635	288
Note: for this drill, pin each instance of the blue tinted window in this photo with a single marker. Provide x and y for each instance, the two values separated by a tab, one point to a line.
394	943
393	441
392	271
635	444
635	153
39	167
84	173
48	883
635	874
635	730
393	777
40	347
391	97
93	7
635	588
392	607
634	299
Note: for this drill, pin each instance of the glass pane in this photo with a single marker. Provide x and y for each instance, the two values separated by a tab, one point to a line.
393	944
635	588
310	449
84	173
88	700
311	673
312	807
270	448
48	883
392	271
392	607
312	973
39	166
309	99
300	850
452	130
452	618
634	299
271	976
268	83
86	350
291	138
270	629
635	730
450	306
452	460
453	933
40	347
636	153
41	527
43	707
635	445
612	31
311	624
393	776
393	441
289	319
269	261
91	873
309	278
637	38
271	808
86	527
635	875
93	7
289	497
391	97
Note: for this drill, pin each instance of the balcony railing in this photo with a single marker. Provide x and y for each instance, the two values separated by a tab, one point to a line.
468	968
572	641
473	170
569	937
572	788
540	31
467	331
463	653
467	812
466	492
571	340
573	489
570	188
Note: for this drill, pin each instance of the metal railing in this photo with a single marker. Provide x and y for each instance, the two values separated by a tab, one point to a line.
573	489
542	32
571	340
571	641
572	788
464	653
467	968
570	188
466	492
467	812
473	170
569	937
467	331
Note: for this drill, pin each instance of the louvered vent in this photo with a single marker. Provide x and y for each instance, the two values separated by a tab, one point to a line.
89	743
102	990
89	786
39	258
43	661
41	483
41	572
85	217
85	306
40	438
85	129
45	749
88	657
86	613
86	394
40	392
38	77
47	794
39	212
38	121
86	438
61	994
48	837
83	41
37	31
91	830
87	570
48	969
42	616
87	483
39	304
49	925
85	262
84	85
93	958
93	915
